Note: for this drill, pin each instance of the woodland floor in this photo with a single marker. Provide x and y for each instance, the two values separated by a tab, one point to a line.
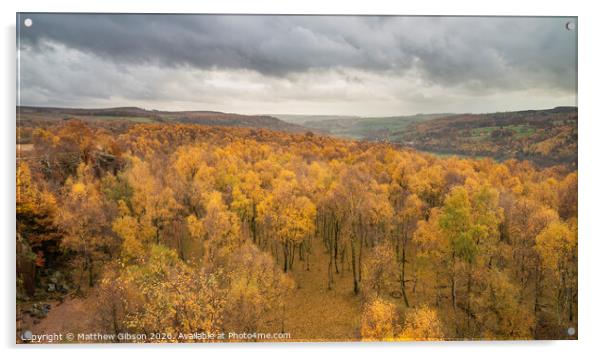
73	315
319	314
314	313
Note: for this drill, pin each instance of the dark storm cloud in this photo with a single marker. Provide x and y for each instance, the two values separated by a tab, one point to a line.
478	54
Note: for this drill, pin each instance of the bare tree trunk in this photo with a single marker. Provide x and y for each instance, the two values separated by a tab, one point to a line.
254	224
359	265
292	256
330	245
354	268
453	281
468	291
330	272
336	253
90	272
403	276
285	255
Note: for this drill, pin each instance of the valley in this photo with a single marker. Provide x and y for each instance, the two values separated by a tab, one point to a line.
544	137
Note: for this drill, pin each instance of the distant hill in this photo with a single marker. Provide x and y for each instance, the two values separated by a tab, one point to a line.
545	137
301	119
368	128
134	114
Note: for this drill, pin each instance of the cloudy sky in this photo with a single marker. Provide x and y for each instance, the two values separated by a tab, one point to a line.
347	65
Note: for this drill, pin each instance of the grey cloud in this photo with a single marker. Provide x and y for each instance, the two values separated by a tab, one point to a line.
297	64
477	53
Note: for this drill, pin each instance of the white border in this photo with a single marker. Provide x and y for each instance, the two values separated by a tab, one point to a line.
590	180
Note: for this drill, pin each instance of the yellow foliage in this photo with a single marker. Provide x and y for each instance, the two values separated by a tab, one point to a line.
191	226
78	189
557	245
422	324
128	229
379	321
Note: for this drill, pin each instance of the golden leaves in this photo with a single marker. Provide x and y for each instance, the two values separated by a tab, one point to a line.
379	321
188	200
422	324
557	245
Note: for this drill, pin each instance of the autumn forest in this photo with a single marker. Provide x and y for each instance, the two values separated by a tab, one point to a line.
176	228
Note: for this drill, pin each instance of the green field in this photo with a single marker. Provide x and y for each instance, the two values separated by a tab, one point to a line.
482	133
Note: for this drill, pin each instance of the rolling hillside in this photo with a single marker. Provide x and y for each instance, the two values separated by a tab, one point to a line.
545	137
301	119
365	128
133	114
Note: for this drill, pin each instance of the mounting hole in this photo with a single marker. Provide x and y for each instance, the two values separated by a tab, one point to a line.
28	22
26	336
571	331
570	26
